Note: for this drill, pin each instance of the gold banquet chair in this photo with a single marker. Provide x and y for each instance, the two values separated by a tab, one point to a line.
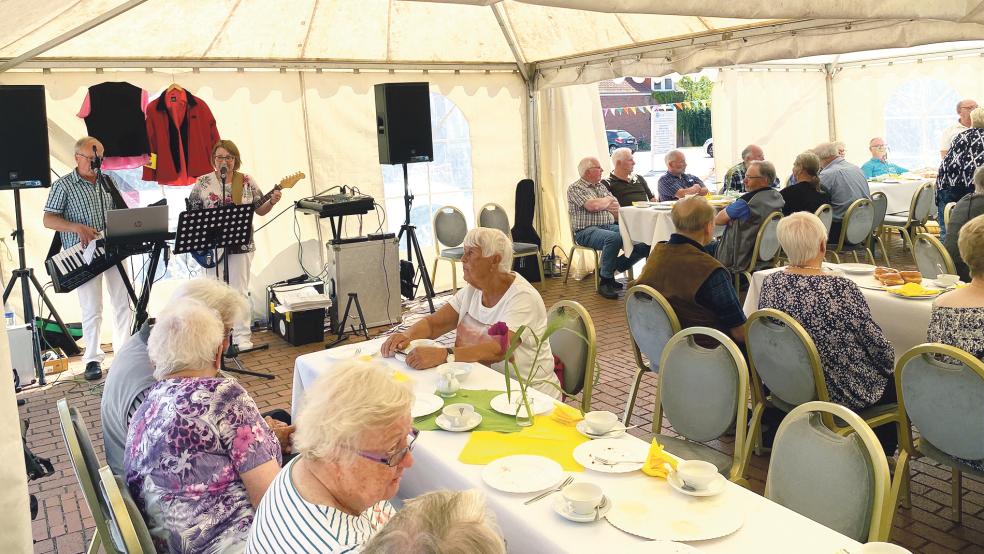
125	515
652	323
575	345
855	230
450	228
931	256
494	216
920	208
766	250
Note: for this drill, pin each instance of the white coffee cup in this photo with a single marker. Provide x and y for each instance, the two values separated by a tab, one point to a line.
600	422
947	279
582	498
459	414
697	473
882	548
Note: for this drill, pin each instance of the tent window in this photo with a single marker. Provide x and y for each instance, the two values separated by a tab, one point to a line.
447	181
916	114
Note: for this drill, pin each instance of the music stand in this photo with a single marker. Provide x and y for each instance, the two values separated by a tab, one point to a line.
227	227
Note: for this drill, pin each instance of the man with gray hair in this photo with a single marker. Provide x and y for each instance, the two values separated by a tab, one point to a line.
844	181
676	183
623	183
744	216
879	164
734	179
697	286
964	107
593	212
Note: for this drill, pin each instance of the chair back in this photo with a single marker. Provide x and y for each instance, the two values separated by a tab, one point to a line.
569	345
942	399
856	227
879	202
839	481
86	464
946	213
494	216
450	227
652	322
124	514
702	391
784	357
826	215
931	256
922	204
766	241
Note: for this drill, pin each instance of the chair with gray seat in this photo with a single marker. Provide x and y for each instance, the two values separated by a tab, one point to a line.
931	256
125	517
879	202
652	322
840	481
494	216
922	205
855	230
940	389
574	344
826	214
703	394
765	251
450	228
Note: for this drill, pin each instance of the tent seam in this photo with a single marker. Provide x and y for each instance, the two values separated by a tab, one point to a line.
221	29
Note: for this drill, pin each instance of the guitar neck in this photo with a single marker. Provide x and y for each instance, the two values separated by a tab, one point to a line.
266	197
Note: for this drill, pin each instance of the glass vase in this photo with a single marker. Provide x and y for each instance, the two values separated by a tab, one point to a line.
523	417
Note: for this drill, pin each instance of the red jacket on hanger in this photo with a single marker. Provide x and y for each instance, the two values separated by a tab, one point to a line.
181	131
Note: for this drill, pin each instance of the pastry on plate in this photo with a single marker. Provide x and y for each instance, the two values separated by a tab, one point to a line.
911	276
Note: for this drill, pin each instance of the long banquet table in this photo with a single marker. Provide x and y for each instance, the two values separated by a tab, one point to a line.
535	528
904	320
898	191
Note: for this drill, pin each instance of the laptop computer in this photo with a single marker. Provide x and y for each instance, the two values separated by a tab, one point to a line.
136	224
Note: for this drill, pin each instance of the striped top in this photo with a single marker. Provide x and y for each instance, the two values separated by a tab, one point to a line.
285	522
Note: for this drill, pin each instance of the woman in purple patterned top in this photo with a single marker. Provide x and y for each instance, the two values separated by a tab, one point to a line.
199	455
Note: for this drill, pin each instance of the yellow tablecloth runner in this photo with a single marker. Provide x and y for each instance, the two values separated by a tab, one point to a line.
547	437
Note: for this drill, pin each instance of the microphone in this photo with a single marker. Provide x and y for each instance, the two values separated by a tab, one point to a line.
96	160
222	174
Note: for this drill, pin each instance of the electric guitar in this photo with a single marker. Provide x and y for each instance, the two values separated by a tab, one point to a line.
208	259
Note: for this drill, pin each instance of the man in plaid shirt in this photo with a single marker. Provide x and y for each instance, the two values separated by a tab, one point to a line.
76	208
593	212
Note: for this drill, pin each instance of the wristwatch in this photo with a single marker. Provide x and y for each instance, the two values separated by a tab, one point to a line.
450	357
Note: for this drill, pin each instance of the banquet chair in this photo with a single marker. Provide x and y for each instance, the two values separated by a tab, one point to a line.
920	208
574	344
783	358
879	203
494	216
652	322
766	248
575	247
946	213
124	515
450	228
703	393
931	256
855	230
86	464
941	399
826	215
840	481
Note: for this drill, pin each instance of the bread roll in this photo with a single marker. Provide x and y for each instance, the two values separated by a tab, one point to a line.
880	270
911	276
891	279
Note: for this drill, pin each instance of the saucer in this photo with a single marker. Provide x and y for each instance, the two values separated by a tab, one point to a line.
443	422
715	488
582	427
560	506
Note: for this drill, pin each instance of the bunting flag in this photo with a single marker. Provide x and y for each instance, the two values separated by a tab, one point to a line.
653	108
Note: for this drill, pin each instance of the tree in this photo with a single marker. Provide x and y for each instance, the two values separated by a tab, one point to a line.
695	89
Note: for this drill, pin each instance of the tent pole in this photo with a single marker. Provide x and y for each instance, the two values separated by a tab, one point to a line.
829	71
70	34
310	158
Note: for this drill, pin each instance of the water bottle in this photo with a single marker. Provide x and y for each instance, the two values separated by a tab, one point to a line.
8	315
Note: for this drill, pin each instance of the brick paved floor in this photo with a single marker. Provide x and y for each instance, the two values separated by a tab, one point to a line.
65	526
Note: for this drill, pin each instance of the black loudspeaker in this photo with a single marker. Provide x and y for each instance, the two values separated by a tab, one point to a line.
24	161
403	123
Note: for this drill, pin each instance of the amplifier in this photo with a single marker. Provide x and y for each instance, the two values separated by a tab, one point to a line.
369	267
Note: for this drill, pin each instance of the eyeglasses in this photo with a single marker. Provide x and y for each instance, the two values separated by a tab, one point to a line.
225	158
90	158
880	147
968	108
747	176
393	459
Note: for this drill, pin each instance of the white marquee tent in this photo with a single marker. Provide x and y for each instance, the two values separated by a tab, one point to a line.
291	83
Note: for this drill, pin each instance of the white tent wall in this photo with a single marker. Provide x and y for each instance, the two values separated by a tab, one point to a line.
263	112
15	526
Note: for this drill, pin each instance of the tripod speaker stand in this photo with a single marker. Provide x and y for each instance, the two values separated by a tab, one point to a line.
413	247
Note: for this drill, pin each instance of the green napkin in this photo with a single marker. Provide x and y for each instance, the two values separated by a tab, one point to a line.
480	399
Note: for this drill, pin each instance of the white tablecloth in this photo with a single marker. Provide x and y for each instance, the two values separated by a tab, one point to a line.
904	320
536	528
645	225
899	193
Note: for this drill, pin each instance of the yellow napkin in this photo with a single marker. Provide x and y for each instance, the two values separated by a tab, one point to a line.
913	289
400	377
657	460
546	437
566	415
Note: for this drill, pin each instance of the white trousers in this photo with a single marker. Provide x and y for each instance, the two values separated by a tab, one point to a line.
239	276
91	300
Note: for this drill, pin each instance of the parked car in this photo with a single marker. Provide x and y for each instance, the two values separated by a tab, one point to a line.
617	138
709	147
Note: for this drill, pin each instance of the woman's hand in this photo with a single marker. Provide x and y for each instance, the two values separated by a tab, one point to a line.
424	357
396	341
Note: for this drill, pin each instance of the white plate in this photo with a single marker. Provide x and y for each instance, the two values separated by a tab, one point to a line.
561	507
444	422
582	427
657	547
423	342
920	297
538	404
857	269
713	489
662	206
522	474
646	510
946	286
461	369
426	404
612	449
867	282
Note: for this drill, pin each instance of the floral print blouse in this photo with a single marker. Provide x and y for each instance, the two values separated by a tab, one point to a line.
857	359
208	192
960	327
187	445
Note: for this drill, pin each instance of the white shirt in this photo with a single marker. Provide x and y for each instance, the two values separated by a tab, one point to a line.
520	305
950	133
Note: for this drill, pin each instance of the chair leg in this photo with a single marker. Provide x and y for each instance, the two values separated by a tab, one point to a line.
95	544
630	405
871	255
570	264
957	493
906	239
884	252
454	277
855	254
597	270
433	274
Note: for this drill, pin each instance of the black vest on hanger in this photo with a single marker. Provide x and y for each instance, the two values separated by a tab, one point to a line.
523	230
117	120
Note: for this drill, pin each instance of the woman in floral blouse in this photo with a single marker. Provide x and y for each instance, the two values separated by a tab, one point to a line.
199	455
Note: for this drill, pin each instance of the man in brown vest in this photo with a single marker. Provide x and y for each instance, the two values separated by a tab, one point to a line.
697	286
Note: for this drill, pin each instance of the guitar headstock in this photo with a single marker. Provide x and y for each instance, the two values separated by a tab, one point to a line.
291	180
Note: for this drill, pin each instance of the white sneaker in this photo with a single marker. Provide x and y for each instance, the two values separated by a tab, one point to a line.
244	345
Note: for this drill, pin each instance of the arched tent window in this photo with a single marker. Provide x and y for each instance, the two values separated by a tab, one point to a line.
916	114
447	181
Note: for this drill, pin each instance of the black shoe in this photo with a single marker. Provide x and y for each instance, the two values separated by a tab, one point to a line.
93	371
616	285
606	289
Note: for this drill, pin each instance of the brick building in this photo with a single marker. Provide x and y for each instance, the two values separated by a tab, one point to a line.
624	94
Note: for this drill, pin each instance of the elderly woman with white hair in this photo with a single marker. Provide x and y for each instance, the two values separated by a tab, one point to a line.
494	295
199	455
955	178
354	440
958	316
858	360
452	522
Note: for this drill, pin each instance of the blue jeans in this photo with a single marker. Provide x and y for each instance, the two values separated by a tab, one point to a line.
943	198
607	239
